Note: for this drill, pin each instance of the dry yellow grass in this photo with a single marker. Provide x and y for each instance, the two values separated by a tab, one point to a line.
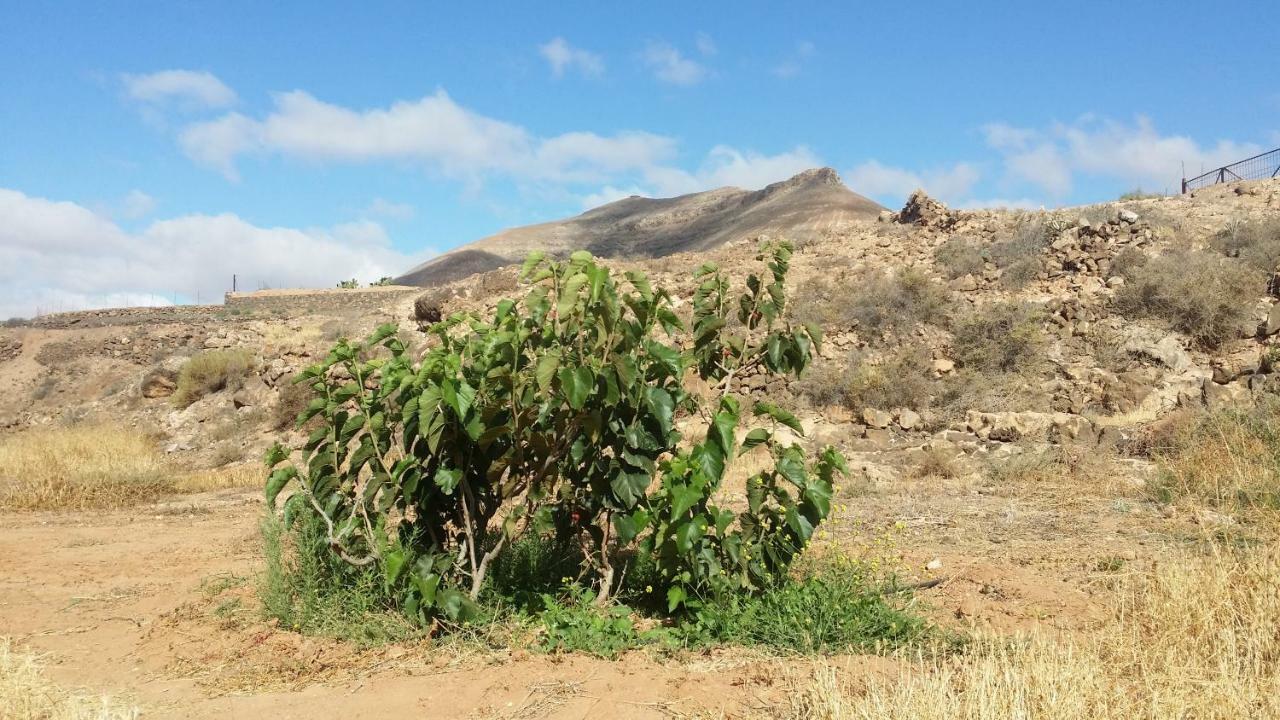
25	694
1229	459
98	466
1198	637
242	475
80	467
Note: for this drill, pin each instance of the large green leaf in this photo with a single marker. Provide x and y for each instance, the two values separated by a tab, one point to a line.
779	415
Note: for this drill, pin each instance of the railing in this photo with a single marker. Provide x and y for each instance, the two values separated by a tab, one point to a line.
1266	165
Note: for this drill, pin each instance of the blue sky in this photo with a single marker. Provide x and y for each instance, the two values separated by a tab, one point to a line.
149	150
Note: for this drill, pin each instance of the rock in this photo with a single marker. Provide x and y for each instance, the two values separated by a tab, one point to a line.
1115	281
908	419
159	384
1225	397
10	348
877	438
1272	324
943	366
933	565
254	393
966	283
1127	216
1167	350
878	419
922	210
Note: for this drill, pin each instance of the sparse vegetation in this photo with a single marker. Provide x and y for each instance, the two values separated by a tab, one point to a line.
212	371
1206	297
1255	242
1139	194
874	303
1018	256
899	377
351	284
291	401
1229	459
1193	637
1003	337
26	694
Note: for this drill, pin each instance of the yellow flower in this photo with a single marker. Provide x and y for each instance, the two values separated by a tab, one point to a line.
648	588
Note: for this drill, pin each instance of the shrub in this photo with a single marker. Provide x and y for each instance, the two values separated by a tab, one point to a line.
1210	299
291	402
875	302
901	377
27	693
959	257
212	371
556	418
1018	256
1254	242
999	338
1138	194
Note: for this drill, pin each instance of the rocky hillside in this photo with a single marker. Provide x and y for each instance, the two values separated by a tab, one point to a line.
808	206
961	334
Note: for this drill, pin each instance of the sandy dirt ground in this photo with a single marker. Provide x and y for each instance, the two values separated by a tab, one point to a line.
155	605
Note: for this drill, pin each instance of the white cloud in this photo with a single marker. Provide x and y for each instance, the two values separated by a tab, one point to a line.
434	130
670	66
137	204
61	256
381	207
894	184
188	89
561	56
1135	154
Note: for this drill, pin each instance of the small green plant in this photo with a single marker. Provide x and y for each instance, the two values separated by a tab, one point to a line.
351	284
383	282
212	371
557	418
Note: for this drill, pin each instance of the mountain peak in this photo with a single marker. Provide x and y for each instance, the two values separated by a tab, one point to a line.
802	206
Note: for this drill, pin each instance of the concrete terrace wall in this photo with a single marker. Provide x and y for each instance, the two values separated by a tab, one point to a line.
317	301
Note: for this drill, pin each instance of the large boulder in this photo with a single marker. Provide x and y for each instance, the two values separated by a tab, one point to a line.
922	210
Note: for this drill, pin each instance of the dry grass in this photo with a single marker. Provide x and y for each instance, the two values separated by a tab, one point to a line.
1208	298
1229	459
77	467
242	475
1198	637
25	694
99	466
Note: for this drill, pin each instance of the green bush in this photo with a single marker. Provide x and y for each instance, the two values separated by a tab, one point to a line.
1206	297
557	418
999	338
211	371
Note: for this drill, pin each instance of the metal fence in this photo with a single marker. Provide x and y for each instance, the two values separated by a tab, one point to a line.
1266	165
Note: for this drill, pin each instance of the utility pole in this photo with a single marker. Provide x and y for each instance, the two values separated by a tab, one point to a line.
233	283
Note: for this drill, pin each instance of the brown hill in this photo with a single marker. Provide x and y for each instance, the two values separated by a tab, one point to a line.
803	207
